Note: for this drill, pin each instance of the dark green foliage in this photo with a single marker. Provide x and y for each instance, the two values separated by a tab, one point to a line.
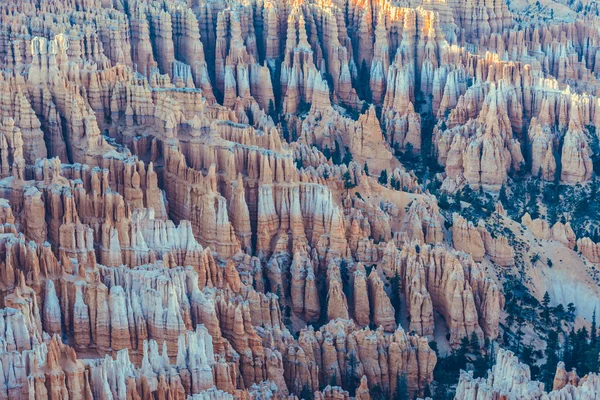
363	87
546	303
481	204
377	393
576	204
443	201
396	294
427	391
383	177
351	382
336	156
502	196
594	143
551	353
448	368
287	315
532	206
347	156
346	280
474	342
273	112
348	181
306	393
402	387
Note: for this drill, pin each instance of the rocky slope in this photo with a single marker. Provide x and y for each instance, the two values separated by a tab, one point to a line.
276	199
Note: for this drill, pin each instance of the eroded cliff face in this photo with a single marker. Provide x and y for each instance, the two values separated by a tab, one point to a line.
189	201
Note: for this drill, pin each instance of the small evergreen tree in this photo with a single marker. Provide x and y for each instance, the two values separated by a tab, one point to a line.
383	177
546	303
427	391
336	156
396	295
350	383
347	156
333	380
402	387
474	343
502	196
306	393
463	350
443	202
366	169
272	112
551	353
409	151
592	362
594	330
348	181
364	89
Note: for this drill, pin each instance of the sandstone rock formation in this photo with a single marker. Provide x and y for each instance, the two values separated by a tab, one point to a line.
510	378
216	200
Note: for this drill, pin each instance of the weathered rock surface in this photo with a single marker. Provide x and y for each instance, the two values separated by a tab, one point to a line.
510	378
216	200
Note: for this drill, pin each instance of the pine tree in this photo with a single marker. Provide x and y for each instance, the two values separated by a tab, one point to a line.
552	358
383	177
474	343
519	333
347	156
581	350
463	350
593	330
364	78
366	169
443	201
272	112
592	362
502	197
393	182
571	309
306	393
333	380
546	303
336	157
348	181
427	391
491	356
346	280
395	285
402	387
350	384
409	150
533	207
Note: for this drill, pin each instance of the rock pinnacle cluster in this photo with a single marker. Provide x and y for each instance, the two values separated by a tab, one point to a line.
210	200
